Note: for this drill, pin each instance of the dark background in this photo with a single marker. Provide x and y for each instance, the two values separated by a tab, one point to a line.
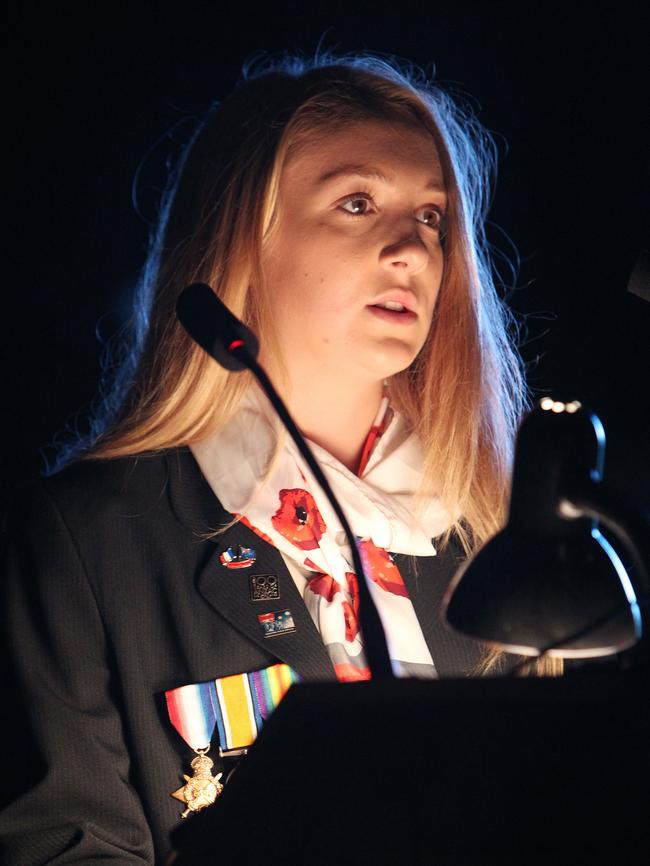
91	88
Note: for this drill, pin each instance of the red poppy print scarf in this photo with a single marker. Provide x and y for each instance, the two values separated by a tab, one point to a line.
291	512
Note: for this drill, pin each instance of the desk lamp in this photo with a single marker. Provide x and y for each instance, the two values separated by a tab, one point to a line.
550	582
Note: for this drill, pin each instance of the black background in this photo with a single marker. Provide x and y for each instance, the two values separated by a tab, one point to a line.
91	88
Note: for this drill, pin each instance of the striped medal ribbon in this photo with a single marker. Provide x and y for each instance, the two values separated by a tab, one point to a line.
237	706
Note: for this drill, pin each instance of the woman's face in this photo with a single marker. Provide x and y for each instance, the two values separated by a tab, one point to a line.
359	225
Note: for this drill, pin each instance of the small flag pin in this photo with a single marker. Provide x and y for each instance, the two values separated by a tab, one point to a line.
243	558
276	623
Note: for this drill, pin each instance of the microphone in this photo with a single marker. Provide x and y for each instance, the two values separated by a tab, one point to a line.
211	324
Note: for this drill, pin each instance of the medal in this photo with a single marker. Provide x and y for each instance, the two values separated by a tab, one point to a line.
202	788
192	713
236	706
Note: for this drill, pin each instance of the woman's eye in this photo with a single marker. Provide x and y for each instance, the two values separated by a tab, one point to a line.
361	204
430	216
357	205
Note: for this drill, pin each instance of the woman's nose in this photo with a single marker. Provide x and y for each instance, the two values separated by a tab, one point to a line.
409	255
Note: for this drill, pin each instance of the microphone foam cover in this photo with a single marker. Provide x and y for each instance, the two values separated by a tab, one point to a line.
210	323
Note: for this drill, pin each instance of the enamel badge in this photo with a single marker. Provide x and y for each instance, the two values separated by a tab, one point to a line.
243	558
264	587
276	623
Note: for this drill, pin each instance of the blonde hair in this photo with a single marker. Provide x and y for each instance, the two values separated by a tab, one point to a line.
463	395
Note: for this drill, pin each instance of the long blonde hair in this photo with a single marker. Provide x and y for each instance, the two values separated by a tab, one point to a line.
463	395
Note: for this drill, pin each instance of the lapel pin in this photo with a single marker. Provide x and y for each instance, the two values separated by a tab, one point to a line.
244	557
276	623
264	587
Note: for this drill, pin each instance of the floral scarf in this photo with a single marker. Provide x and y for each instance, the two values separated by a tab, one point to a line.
291	512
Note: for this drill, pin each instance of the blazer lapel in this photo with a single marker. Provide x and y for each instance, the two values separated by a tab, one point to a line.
229	590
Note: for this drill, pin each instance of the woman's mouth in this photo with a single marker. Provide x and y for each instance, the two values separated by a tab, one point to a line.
400	317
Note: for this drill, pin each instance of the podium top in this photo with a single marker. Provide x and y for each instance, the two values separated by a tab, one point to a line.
446	772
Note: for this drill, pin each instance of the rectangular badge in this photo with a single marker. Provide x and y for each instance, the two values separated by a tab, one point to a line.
264	587
277	622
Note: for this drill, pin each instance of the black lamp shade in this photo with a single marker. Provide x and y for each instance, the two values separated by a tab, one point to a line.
550	581
526	593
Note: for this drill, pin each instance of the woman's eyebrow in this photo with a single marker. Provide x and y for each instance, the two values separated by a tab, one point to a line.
371	173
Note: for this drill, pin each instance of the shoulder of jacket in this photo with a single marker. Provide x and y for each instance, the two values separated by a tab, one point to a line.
117	477
87	489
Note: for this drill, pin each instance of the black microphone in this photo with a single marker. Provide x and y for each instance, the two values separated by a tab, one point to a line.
211	324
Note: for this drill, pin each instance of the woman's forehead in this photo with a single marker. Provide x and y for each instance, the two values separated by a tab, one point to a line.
371	148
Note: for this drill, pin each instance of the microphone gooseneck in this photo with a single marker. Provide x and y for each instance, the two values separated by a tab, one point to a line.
211	324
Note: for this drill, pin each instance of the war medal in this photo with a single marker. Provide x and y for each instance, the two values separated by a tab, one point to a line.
237	705
202	788
192	713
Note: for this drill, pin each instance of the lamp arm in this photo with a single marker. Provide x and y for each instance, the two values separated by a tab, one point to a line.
620	516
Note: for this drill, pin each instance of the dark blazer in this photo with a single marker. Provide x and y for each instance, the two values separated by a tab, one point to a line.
113	594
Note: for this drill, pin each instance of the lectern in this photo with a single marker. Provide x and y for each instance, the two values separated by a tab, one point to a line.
463	772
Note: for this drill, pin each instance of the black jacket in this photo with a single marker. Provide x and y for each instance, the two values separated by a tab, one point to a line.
113	594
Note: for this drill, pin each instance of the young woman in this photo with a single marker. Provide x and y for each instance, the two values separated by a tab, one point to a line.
336	207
